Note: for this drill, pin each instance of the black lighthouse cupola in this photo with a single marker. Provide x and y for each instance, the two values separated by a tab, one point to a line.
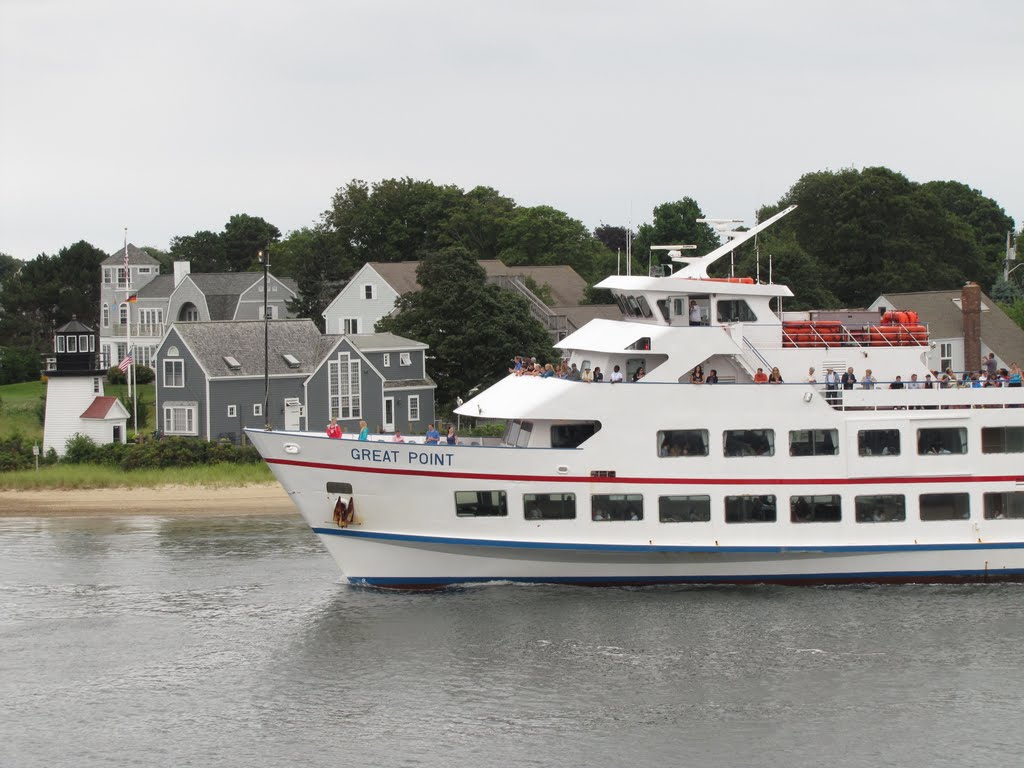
75	351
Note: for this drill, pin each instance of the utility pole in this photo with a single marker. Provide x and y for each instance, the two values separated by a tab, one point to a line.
265	259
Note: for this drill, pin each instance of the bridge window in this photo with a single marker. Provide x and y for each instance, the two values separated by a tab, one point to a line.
572	435
734	311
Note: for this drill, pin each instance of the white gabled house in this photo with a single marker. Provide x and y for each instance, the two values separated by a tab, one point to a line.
366	298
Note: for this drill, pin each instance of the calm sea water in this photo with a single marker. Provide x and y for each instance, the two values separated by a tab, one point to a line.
231	642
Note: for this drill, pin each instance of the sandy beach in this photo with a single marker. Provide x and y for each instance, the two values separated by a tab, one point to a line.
176	501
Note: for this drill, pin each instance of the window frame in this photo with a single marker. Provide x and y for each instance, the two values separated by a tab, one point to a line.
177	366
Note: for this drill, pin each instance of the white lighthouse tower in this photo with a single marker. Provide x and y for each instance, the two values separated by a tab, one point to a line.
75	403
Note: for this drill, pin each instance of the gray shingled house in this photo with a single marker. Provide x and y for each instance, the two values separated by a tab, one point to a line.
210	379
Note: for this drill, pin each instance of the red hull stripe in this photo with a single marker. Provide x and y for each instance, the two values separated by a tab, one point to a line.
893	480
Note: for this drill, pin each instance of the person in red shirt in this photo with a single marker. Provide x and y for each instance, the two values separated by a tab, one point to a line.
760	377
334	429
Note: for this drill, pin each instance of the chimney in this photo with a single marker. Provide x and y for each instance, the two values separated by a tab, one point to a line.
181	268
970	309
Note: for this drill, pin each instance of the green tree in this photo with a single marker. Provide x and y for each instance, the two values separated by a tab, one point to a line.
243	238
204	251
308	255
473	329
8	266
673	223
544	235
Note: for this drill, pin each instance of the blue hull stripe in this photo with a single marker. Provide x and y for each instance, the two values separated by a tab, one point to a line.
1006	574
641	548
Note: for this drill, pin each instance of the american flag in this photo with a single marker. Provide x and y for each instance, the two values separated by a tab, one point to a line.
125	364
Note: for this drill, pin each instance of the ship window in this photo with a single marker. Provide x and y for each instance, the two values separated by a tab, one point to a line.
345	488
734	311
634	308
815	509
1002	439
945	506
684	509
750	509
617	506
942	440
878	442
645	308
683	442
518	433
481	504
572	435
663	308
813	442
749	442
621	301
549	506
1004	506
886	508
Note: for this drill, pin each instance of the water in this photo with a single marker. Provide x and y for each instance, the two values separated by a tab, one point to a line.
231	642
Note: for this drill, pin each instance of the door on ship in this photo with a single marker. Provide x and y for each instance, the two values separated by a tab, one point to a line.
293	413
389	414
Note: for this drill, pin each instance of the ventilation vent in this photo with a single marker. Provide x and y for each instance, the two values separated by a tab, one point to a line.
231	363
292	361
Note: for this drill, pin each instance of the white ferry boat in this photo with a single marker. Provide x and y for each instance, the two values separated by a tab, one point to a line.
667	481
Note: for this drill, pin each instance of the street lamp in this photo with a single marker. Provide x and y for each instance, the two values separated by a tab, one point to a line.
264	257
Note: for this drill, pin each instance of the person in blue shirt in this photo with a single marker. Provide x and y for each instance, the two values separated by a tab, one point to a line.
433	436
364	431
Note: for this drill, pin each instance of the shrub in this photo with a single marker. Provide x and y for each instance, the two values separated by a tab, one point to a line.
15	453
144	375
80	449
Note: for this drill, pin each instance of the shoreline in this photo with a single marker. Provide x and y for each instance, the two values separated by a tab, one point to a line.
163	501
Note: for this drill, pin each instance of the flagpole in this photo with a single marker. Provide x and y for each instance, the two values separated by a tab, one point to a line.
128	314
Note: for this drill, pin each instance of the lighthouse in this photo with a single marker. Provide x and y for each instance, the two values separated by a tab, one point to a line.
75	403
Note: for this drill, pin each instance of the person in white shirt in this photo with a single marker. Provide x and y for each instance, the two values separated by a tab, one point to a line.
695	318
616	375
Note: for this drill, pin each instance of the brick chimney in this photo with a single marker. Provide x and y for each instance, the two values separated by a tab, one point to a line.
970	308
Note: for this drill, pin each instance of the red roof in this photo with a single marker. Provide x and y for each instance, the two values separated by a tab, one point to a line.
100	408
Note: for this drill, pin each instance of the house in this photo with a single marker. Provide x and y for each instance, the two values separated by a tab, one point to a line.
372	292
213	379
956	341
75	402
136	306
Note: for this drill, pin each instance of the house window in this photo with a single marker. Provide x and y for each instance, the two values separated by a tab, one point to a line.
350	325
367	291
405	358
271	310
344	393
106	315
180	419
232	411
122	314
684	509
387	360
96	385
945	356
257	409
481	504
414	407
60	344
174	373
750	509
83	343
108	276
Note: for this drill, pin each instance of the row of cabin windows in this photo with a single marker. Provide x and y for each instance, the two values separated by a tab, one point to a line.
822	508
726	310
69	343
825	442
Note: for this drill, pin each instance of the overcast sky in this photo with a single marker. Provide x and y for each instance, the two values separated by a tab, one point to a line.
169	117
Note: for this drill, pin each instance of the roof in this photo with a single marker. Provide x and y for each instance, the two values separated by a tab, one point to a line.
242	340
567	287
135	256
74	326
382	342
160	287
101	407
583	314
611	336
941	311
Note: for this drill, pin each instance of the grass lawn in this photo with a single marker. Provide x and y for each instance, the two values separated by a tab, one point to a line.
19	402
82	476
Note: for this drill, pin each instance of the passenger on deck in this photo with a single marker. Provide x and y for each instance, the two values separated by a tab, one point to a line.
548	372
397	437
616	375
598	376
712	377
848	379
638	374
695	318
868	382
574	373
587	375
517	367
760	377
364	431
432	437
811	378
697	377
897	384
451	438
775	377
334	429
